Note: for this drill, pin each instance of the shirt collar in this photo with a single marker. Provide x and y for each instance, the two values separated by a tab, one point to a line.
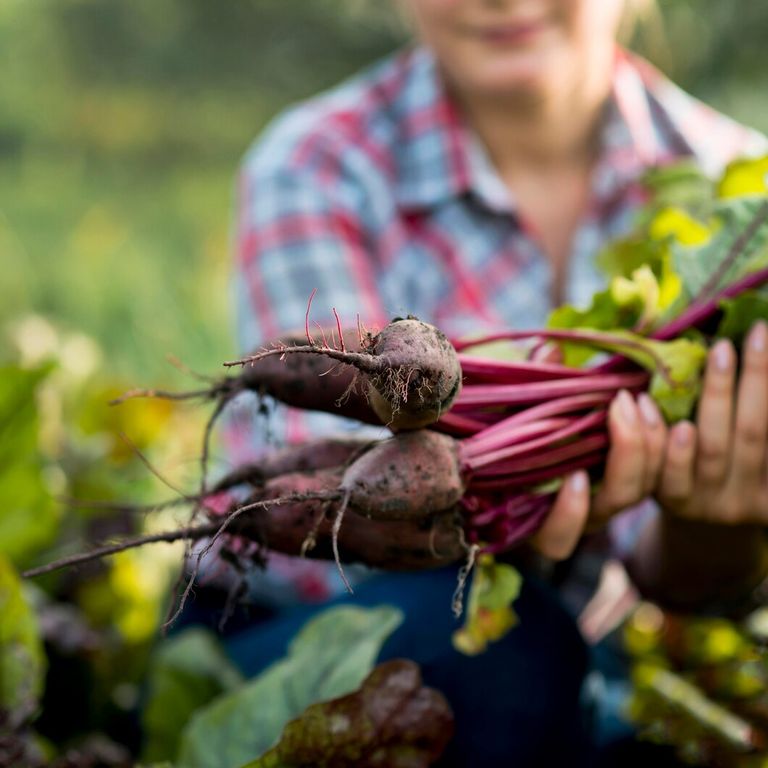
439	159
631	141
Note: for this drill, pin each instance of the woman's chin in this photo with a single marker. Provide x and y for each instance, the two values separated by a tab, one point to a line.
517	83
522	75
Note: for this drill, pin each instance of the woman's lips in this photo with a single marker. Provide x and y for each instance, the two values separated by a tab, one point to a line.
515	33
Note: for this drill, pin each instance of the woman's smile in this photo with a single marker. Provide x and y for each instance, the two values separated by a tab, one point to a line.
517	33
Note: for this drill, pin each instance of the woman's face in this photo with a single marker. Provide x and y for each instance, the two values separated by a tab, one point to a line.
516	47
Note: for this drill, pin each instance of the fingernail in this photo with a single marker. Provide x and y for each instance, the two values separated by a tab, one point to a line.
683	432
721	355
578	482
626	407
758	337
648	410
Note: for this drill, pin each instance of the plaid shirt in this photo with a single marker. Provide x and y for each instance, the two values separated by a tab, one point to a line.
379	197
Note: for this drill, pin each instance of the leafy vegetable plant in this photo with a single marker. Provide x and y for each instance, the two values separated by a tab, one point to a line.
483	474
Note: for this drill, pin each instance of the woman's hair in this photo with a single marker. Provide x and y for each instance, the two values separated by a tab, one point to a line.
636	14
642	28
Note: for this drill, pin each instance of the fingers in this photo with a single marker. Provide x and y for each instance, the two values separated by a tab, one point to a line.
630	471
655	440
751	429
547	353
676	481
715	415
717	469
564	525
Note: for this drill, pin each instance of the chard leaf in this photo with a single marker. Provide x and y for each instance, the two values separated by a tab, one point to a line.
187	671
636	303
698	263
677	389
392	720
741	313
675	365
651	295
329	657
495	587
682	184
677	224
605	313
622	257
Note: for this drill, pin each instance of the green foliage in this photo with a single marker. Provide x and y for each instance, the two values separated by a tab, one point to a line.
699	684
741	313
677	385
604	312
697	263
680	185
329	658
675	365
122	128
490	615
22	661
29	518
393	721
188	671
671	260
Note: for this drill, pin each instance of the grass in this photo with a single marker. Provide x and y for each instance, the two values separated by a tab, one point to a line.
137	257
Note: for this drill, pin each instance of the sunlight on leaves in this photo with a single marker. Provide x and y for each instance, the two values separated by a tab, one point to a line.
676	223
22	662
490	615
29	519
744	177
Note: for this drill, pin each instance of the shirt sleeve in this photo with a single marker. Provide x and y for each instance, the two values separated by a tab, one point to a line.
300	231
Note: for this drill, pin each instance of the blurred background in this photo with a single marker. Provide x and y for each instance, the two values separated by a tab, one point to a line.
122	123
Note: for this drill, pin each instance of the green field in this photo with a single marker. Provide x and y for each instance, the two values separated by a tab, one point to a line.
123	123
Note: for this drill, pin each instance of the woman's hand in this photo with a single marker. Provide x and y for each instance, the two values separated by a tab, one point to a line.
716	470
707	546
638	436
713	471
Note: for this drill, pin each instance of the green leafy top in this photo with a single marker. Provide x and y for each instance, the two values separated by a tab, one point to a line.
694	238
330	657
490	615
22	661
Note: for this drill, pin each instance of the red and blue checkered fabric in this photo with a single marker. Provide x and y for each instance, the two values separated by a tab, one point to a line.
377	196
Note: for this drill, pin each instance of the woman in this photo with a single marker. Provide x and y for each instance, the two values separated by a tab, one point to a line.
470	180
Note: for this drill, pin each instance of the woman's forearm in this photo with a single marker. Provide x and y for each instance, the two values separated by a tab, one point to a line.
698	566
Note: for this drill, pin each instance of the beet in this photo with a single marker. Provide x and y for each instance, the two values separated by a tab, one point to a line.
306	527
409	476
411	368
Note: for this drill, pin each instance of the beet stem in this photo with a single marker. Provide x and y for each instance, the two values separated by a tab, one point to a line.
737	248
592	419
